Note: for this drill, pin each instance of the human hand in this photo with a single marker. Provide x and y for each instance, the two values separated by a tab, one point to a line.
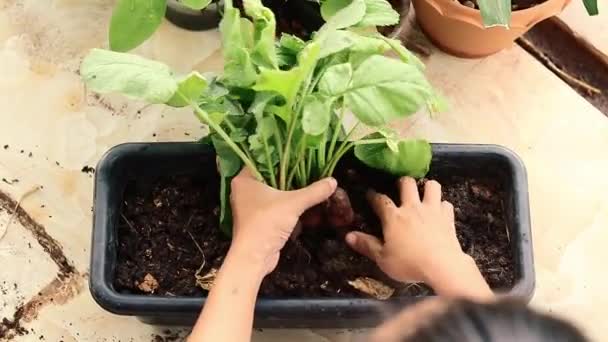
420	242
265	217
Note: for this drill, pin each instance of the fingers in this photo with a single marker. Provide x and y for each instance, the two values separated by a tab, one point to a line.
381	204
313	194
408	190
448	209
246	173
365	244
432	192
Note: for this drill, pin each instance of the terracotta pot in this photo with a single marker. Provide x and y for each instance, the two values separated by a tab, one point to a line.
458	29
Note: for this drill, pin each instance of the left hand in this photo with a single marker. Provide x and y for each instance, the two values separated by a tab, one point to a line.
265	217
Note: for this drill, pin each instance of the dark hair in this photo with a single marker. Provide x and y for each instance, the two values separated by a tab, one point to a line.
503	321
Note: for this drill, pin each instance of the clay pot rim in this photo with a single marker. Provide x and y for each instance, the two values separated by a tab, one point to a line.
520	19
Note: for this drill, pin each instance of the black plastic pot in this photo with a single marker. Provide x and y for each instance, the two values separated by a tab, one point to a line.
140	160
193	20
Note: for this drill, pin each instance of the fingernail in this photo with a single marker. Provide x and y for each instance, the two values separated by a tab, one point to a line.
332	182
351	238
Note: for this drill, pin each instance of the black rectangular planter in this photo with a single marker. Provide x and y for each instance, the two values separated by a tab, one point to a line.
139	160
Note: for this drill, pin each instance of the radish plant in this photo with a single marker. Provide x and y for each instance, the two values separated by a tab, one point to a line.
279	106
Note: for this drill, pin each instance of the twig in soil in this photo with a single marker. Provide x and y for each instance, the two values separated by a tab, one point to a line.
197	245
502	206
301	247
206	281
128	223
553	67
416	285
17	206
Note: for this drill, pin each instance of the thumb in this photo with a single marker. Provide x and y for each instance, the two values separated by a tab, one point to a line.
313	194
365	244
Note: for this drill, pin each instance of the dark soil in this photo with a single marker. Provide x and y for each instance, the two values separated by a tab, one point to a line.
516	5
164	223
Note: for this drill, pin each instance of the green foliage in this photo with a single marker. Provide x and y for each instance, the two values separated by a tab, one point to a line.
107	71
134	21
498	12
411	157
279	107
495	12
591	7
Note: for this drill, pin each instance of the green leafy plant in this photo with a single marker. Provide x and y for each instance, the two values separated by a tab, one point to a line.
498	12
134	21
279	106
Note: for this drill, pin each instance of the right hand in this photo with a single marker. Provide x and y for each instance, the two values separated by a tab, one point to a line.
419	236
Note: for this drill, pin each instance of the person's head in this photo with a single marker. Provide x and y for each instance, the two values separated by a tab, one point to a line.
437	320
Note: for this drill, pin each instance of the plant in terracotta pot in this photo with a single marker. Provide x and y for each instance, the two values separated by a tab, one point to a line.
477	28
162	219
134	21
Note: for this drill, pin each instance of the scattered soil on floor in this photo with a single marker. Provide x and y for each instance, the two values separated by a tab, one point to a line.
516	5
168	229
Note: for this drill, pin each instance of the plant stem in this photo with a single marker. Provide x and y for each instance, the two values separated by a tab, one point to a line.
232	129
204	118
273	180
277	137
339	154
337	130
296	166
345	148
309	162
370	141
292	126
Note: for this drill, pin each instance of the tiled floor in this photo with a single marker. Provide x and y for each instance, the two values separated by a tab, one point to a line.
508	99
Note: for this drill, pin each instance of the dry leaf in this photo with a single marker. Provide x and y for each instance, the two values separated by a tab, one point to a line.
372	287
206	281
149	285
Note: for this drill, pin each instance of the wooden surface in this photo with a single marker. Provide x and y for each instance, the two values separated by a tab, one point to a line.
508	99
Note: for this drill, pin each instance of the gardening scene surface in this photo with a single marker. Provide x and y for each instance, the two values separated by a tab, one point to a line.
124	123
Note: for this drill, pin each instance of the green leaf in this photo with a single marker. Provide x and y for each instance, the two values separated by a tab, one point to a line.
316	114
352	42
336	79
261	101
412	158
264	131
288	48
285	83
107	71
404	54
239	70
330	7
437	103
263	53
591	7
495	12
288	83
392	138
229	162
189	89
239	135
196	4
383	89
379	13
342	13
134	21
